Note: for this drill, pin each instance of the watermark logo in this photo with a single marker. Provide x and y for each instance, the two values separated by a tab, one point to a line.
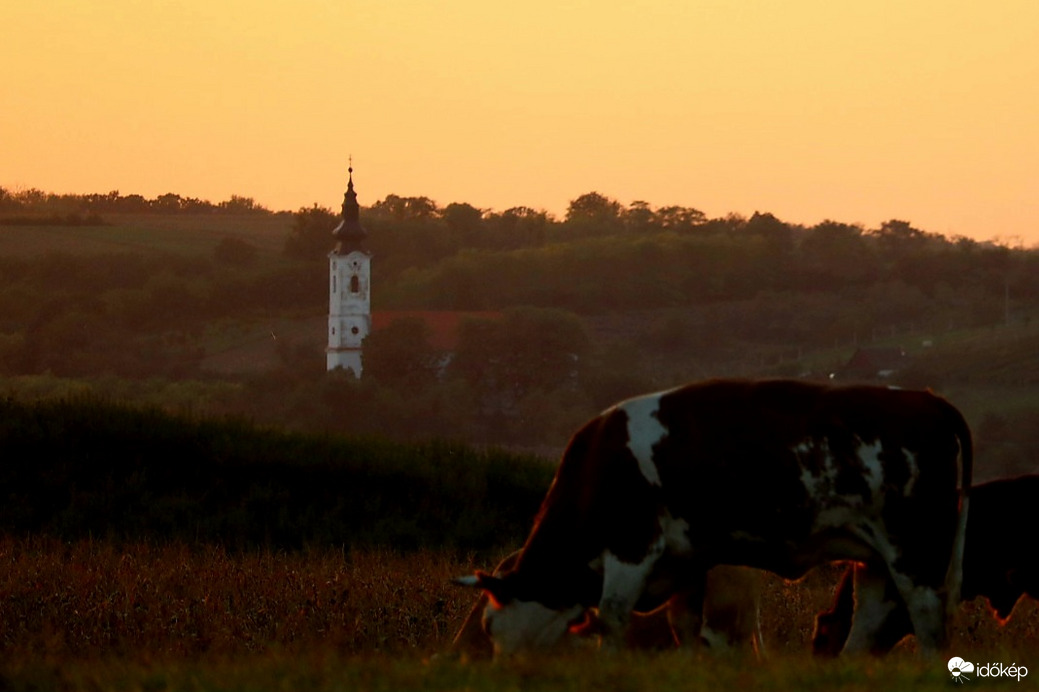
962	671
959	669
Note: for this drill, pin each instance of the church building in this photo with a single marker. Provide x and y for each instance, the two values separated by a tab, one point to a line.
349	290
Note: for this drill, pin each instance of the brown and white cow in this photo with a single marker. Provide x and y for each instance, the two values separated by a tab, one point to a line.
731	618
997	564
778	475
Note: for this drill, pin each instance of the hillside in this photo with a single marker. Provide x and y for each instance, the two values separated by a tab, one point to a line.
149	234
207	312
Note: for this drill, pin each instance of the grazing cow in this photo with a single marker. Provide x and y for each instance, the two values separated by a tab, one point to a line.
997	564
731	618
778	475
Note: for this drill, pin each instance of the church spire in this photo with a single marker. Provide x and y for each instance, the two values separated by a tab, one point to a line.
349	233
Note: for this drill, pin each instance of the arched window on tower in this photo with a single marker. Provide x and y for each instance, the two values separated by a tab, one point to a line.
355	284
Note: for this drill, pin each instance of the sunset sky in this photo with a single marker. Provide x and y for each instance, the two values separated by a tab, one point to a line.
920	110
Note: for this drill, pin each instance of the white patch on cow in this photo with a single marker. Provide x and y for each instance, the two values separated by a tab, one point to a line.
847	511
927	614
878	538
675	533
644	431
623	583
521	625
819	483
873	469
717	641
914	471
819	478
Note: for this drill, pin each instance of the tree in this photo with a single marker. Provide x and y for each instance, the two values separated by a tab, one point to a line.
518	226
899	237
527	348
132	204
238	205
639	217
778	235
464	221
835	254
400	355
594	212
311	234
8	202
234	252
680	219
168	203
406	208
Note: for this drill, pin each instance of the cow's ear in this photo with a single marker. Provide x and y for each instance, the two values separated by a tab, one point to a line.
495	588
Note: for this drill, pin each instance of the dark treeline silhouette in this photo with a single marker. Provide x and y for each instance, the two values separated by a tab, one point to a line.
605	257
23	206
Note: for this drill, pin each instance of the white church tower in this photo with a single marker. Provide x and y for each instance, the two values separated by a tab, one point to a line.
349	289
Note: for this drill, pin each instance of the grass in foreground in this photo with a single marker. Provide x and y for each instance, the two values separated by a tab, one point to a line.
322	669
93	615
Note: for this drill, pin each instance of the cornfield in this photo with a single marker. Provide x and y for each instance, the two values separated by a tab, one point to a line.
91	614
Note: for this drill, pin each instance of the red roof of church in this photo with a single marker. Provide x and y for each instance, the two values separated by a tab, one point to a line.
443	325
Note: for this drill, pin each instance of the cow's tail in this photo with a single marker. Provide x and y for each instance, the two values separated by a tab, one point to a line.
954	577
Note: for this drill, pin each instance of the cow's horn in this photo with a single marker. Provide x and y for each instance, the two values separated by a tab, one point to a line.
471	580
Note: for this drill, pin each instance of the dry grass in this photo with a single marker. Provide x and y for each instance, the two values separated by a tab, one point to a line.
92	615
90	599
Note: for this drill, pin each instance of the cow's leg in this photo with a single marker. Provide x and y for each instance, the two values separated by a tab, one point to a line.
623	583
731	619
872	608
927	612
832	626
685	612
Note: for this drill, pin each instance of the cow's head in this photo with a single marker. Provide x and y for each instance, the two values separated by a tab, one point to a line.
516	622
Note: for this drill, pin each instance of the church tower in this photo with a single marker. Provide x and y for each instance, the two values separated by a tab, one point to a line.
349	290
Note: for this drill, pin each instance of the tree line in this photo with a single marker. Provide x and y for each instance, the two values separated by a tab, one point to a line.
23	207
605	257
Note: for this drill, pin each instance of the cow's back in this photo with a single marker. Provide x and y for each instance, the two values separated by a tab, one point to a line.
765	458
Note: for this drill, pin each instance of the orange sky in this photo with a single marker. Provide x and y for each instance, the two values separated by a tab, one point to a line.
921	110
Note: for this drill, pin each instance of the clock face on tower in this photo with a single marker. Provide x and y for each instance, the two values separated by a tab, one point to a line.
354	331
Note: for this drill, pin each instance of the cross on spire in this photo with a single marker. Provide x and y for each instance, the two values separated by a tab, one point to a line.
349	232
